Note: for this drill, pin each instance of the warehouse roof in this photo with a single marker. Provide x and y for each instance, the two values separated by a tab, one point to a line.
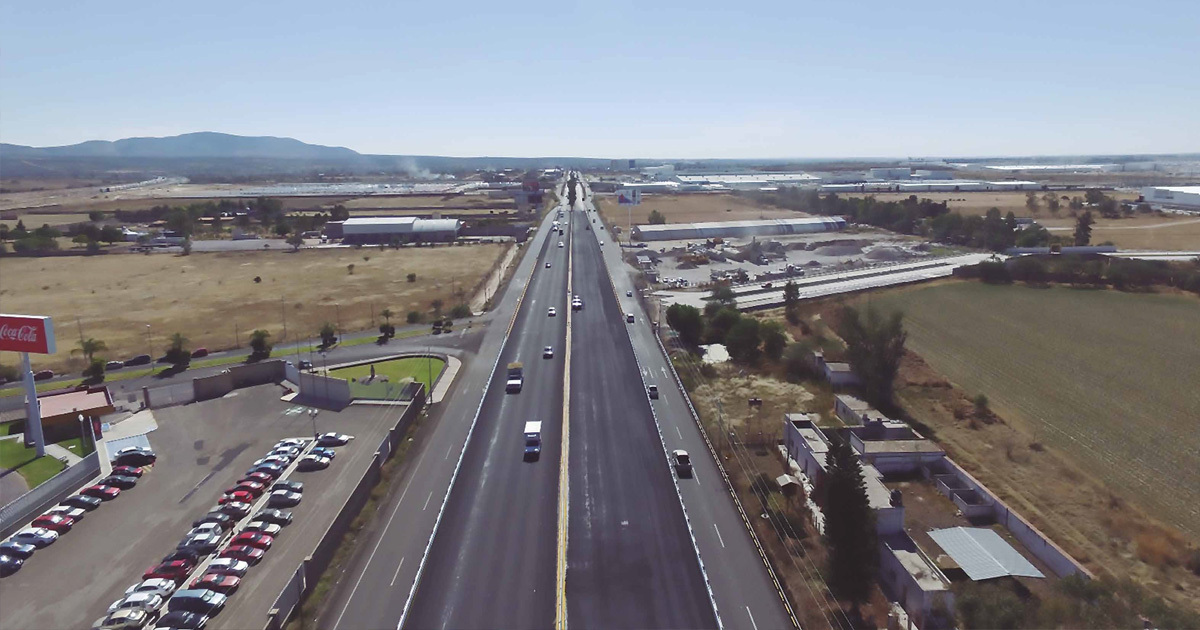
982	553
719	225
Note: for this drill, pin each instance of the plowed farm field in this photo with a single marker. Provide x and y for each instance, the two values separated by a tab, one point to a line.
1109	379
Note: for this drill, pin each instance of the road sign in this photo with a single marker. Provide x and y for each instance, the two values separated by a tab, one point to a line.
27	333
629	196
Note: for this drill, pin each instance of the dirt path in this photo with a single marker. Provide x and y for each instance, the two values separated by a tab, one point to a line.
493	281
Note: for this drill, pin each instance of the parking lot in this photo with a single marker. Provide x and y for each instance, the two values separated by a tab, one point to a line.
202	448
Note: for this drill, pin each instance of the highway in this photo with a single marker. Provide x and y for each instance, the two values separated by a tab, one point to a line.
373	590
631	563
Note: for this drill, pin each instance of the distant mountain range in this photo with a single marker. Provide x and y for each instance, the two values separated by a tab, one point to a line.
204	144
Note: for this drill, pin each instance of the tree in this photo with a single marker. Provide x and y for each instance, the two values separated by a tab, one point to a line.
282	228
187	246
260	344
687	321
350	268
743	340
296	241
791	302
95	370
4	232
177	352
1083	228
89	347
95	216
460	311
339	213
1094	197
773	339
328	335
849	525
721	323
874	346
111	234
656	218
386	314
412	277
437	305
413	317
1032	204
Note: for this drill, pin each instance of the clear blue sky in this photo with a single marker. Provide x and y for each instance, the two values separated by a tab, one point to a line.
613	78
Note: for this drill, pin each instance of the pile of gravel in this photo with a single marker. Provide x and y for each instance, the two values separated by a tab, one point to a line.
887	253
838	250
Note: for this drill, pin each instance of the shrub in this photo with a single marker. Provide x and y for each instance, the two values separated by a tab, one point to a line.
981	404
994	273
413	317
461	311
412	277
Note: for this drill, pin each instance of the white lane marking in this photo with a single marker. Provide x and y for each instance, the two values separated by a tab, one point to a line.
398	572
427	500
449	450
719	536
751	618
677	431
664	371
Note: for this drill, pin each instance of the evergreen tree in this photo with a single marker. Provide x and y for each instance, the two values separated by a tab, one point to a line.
849	525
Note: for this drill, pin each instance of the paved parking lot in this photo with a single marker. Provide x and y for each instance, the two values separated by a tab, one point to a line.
202	449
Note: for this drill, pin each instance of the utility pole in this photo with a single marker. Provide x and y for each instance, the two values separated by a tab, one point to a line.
236	339
283	312
80	326
338	311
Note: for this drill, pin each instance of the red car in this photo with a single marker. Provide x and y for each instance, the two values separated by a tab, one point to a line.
253	487
241	496
104	493
223	584
262	478
253	539
60	524
242	552
174	570
128	471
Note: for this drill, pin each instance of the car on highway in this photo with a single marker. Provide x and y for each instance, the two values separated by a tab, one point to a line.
652	390
197	600
683	463
10	565
236	509
37	536
284	498
312	463
203	543
114	365
323	451
242	496
182	620
223	584
548	352
149	602
602	242
134	456
576	304
73	513
334	439
307	366
629	318
199	353
245	553
294	486
60	524
262	478
124	619
160	586
560	243
263	527
253	539
228	566
220	518
547	265
82	501
119	481
173	570
141	359
128	471
43	375
283	518
551	312
17	549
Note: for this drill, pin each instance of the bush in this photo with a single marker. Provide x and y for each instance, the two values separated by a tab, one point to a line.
994	273
795	361
461	311
95	369
412	277
988	605
413	317
981	404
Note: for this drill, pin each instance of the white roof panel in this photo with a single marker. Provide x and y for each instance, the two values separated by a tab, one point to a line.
982	553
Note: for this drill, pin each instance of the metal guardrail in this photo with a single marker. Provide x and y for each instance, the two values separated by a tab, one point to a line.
16	513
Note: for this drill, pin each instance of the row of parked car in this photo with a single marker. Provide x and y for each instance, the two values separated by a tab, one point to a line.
129	467
141	359
162	599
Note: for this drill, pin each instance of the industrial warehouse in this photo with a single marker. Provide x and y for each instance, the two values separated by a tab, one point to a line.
738	229
383	230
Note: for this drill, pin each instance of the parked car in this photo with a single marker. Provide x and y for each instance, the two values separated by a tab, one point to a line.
73	513
292	442
37	536
43	375
124	619
141	359
294	486
253	539
182	620
276	460
134	456
333	439
273	470
288	454
10	565
305	365
119	481
312	462
59	524
251	555
128	471
149	602
284	498
161	586
236	509
199	352
206	528
263	478
263	527
223	584
190	556
240	496
323	451
174	570
205	543
253	487
82	501
17	549
197	600
104	493
114	365
220	518
228	566
283	518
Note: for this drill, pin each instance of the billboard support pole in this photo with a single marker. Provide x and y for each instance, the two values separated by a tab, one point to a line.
33	409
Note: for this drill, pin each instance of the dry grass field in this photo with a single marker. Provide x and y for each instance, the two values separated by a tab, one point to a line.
425	201
209	297
1170	233
978	203
691	208
1108	378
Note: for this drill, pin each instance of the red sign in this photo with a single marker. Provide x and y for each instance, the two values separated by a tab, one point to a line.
26	333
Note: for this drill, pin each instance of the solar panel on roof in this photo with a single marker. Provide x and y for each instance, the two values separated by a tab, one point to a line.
982	553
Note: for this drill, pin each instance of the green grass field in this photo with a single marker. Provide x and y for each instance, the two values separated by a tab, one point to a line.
35	470
397	371
1109	378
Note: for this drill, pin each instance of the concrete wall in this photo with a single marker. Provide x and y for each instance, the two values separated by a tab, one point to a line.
257	373
333	393
215	386
902	587
28	506
169	395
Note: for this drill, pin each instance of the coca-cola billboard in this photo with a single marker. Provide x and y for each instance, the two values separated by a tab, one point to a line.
26	333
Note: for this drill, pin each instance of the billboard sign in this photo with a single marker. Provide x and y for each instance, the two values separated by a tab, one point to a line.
629	196
26	333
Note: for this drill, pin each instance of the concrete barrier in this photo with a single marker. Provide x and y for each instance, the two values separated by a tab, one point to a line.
169	395
26	507
210	387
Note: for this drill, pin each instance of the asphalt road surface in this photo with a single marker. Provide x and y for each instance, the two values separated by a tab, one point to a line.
631	563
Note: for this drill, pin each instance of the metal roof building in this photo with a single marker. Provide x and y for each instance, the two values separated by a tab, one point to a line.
982	553
743	229
1187	197
387	229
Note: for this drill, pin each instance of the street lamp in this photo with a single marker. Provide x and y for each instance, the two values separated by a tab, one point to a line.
149	351
312	413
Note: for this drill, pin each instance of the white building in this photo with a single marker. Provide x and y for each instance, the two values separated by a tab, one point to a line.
1184	197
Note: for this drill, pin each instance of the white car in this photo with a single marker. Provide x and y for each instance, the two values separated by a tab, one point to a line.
548	352
560	243
159	586
333	439
73	513
547	265
551	312
205	528
629	294
601	243
312	462
263	527
148	602
629	318
37	536
291	443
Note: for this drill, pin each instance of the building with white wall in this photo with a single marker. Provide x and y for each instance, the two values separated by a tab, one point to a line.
1183	197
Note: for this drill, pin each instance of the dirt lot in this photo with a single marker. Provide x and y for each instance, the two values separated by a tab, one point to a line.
692	208
212	297
1091	394
425	201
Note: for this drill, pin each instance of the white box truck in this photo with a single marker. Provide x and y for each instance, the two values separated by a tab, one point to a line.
533	441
